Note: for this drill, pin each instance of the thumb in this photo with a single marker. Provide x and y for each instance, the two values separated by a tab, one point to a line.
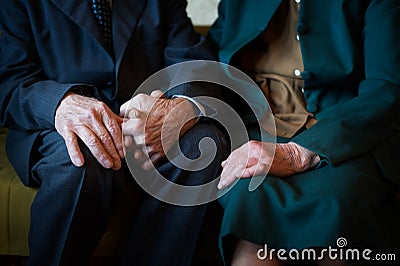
123	109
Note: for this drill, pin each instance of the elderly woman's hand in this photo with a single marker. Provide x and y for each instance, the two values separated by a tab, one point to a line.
258	158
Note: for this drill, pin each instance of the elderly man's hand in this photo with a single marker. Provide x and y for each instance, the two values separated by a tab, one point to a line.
154	124
255	158
95	124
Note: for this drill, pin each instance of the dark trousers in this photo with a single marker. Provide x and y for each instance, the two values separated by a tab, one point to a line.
72	207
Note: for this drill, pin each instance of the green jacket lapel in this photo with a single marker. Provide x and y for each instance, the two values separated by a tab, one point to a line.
245	24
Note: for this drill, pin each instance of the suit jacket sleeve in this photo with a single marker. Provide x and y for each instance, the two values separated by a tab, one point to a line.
368	122
28	100
184	44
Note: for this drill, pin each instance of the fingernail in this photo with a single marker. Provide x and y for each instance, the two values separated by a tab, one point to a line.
117	165
108	164
77	162
221	185
146	167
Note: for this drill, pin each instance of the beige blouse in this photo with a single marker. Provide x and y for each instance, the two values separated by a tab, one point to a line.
274	60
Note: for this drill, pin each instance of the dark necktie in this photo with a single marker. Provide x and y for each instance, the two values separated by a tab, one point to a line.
102	13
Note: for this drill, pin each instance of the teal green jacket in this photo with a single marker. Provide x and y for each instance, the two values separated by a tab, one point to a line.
351	56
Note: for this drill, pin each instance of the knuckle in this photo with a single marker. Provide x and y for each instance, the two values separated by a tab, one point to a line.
114	130
101	105
69	140
149	149
262	166
254	144
63	129
90	113
91	141
141	96
104	138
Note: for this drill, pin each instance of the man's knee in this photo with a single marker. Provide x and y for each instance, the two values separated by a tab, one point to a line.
54	163
204	139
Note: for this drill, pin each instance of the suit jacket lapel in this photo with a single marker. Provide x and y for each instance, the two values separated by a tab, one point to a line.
79	11
125	16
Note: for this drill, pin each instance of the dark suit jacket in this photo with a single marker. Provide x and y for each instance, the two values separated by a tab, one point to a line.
51	47
351	54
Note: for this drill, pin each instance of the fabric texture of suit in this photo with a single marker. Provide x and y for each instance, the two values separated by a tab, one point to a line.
351	54
51	47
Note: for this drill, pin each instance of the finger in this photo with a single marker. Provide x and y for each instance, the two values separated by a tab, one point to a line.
113	125
74	152
110	136
139	140
153	147
127	144
224	163
135	113
103	123
133	127
117	118
124	108
138	154
156	157
225	181
147	165
132	103
128	140
133	151
151	161
157	94
230	173
250	171
95	146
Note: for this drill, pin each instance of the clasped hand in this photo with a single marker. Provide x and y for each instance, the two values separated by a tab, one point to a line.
151	125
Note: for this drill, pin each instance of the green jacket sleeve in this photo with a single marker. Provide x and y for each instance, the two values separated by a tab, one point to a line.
369	121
